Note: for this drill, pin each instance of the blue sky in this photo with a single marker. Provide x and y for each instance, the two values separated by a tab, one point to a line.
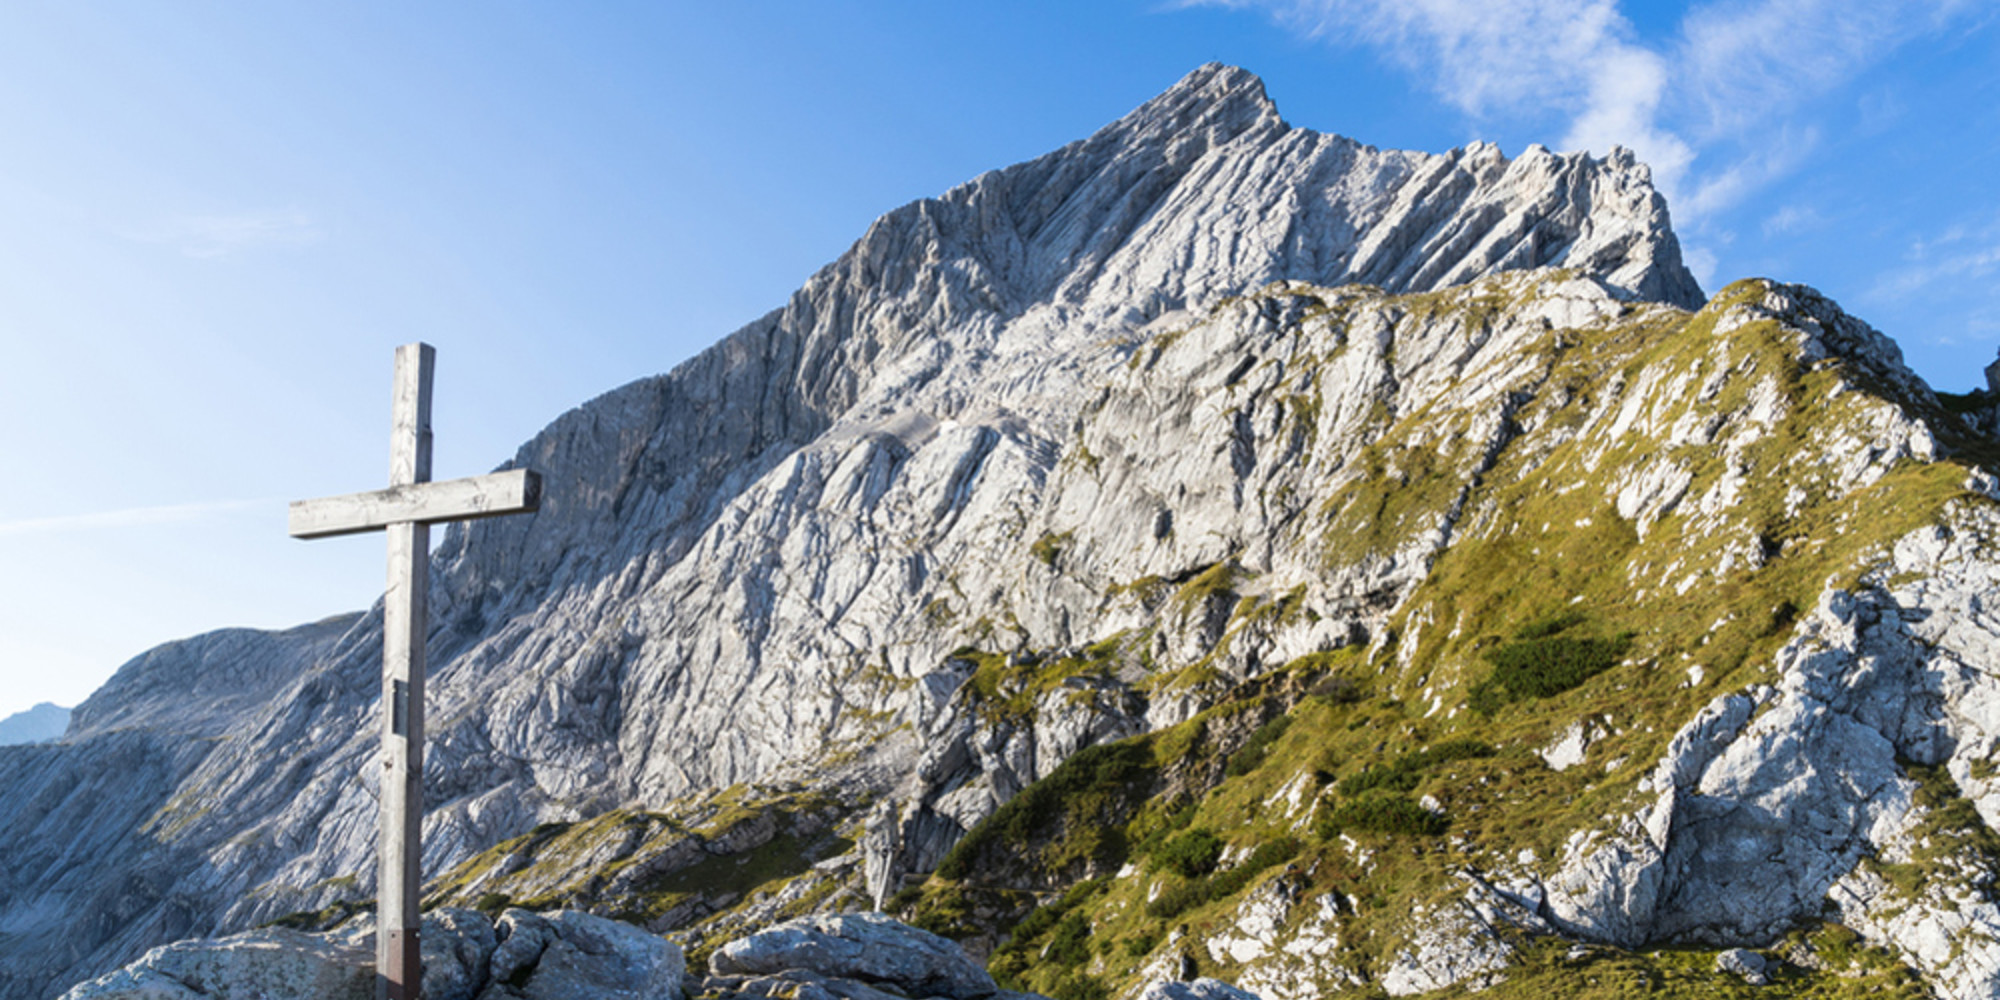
217	220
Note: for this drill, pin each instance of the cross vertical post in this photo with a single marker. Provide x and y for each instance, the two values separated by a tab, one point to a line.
405	614
407	509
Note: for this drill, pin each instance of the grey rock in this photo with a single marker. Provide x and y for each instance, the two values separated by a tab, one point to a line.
1571	745
574	955
795	984
868	947
457	947
279	964
1744	964
594	957
1200	989
1451	945
522	937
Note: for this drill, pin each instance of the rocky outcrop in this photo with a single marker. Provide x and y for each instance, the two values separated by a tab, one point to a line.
857	956
275	963
1790	720
94	828
758	565
524	956
1199	989
564	955
1777	800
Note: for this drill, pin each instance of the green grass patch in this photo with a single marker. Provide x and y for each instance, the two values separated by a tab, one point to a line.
1196	892
1049	548
1545	969
1252	755
1406	770
1068	819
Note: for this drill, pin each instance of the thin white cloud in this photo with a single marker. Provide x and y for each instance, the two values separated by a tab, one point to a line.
1781	154
1623	103
1483	55
1976	263
1496	57
1701	262
1793	219
129	518
1711	109
1750	61
223	235
1957	254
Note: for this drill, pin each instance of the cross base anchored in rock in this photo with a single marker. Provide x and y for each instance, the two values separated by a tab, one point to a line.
406	510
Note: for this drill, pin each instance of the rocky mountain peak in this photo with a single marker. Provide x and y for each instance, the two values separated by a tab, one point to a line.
43	722
1205	109
1072	412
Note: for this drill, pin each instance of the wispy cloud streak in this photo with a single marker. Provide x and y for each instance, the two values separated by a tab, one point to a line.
1747	63
1721	91
130	518
1976	264
1501	57
209	236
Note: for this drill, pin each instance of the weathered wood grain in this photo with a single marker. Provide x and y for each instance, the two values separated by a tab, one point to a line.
407	509
405	617
514	491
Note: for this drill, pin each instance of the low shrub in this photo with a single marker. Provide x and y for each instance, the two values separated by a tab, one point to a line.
1402	774
903	899
1156	837
1539	668
1141	946
1069	943
1070	800
1190	855
1178	899
1079	986
1380	812
1542	666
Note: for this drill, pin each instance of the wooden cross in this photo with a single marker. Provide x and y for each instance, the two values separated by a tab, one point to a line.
407	509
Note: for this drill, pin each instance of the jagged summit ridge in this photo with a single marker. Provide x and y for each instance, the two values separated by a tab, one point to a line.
1205	191
729	576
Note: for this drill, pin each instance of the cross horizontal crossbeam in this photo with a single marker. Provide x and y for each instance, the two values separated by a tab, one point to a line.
512	492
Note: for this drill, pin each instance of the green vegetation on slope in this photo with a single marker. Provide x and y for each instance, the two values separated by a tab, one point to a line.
1547	608
1375	776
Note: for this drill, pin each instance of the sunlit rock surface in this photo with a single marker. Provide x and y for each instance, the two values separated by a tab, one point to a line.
999	483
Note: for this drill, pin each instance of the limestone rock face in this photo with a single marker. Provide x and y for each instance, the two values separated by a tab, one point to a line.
587	955
758	564
564	955
267	963
1199	989
92	827
1741	962
1769	799
864	947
